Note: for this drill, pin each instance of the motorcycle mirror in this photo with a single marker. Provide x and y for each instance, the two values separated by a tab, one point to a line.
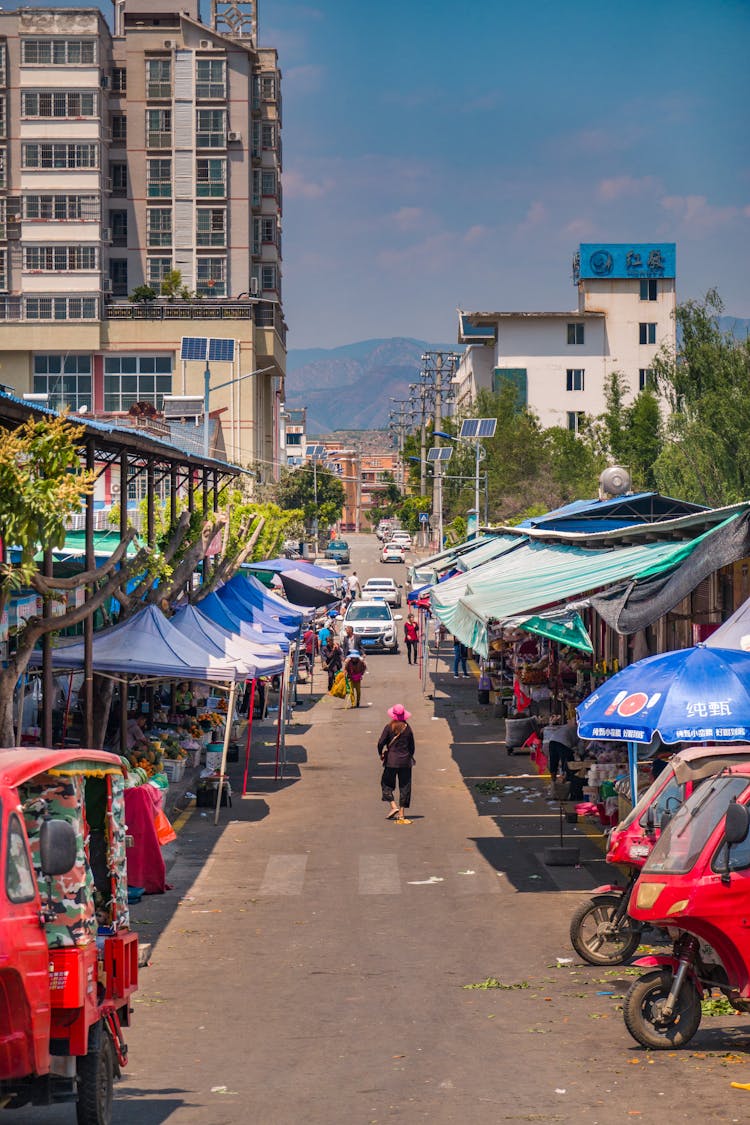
737	823
58	846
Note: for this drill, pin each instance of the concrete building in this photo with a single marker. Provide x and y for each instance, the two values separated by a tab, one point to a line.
559	361
293	435
126	156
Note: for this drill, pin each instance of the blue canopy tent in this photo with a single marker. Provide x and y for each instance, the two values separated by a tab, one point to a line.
260	659
220	613
279	566
246	611
252	591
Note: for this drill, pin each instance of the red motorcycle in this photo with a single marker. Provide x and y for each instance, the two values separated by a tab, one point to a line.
698	879
602	931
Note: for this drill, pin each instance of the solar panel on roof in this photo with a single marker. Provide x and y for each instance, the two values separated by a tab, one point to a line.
221	350
315	450
194	347
440	453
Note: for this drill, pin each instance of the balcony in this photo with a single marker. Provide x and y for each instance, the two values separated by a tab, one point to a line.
264	314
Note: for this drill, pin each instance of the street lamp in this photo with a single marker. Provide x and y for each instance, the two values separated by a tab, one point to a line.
472	429
207	388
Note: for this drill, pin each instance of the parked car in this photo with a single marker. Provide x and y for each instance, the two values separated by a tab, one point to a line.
327	564
393	553
384	588
338	550
374	625
420	576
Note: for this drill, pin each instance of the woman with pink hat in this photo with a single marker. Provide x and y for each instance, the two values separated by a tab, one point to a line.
396	750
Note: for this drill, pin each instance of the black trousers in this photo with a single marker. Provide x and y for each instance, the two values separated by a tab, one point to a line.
559	756
388	784
411	651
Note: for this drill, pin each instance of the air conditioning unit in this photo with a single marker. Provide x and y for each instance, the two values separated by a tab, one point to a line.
107	234
233	137
170	44
254	287
205	44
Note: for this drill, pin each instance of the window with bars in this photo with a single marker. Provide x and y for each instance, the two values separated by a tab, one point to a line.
158	78
62	155
118	170
3	118
268	277
3	218
158	128
119	128
60	258
159	178
268	228
58	52
268	134
136	378
574	379
50	208
119	80
255	143
4	270
58	103
211	177
212	277
210	78
268	182
65	378
268	87
156	270
211	125
211	226
646	333
118	221
160	226
3	65
256	188
61	308
118	276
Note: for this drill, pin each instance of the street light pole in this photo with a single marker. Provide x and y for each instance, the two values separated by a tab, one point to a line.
207	388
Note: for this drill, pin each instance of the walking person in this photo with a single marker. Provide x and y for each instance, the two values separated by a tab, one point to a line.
347	640
460	653
355	589
411	637
396	750
355	668
332	659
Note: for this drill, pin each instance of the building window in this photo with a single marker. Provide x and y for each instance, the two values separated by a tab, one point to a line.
156	270
646	380
211	177
159	177
60	258
61	308
268	228
256	188
210	78
211	227
3	119
575	420
58	52
575	333
118	221
3	168
118	276
58	103
118	170
136	378
294	439
3	73
3	218
268	182
61	208
158	128
648	289
212	277
65	378
268	87
3	270
211	126
119	80
268	277
268	134
646	333
60	156
159	226
158	78
119	129
574	379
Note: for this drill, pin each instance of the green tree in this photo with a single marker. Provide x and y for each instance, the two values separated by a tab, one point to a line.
297	490
409	511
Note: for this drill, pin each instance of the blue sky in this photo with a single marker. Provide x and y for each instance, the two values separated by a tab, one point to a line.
442	155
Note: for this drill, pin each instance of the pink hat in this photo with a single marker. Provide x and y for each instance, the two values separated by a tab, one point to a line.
399	713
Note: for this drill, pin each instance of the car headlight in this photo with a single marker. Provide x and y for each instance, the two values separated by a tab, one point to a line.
647	894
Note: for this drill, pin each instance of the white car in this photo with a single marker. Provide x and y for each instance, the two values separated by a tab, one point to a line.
384	588
393	553
374	626
401	537
327	564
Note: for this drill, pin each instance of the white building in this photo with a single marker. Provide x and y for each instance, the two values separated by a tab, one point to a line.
560	361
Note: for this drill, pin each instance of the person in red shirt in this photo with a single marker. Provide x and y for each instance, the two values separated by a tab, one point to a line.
411	636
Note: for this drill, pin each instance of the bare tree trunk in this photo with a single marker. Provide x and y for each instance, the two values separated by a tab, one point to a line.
227	567
104	688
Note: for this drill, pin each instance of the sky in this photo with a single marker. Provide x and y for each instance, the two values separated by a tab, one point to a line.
440	156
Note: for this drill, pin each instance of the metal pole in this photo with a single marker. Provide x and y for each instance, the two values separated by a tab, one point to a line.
486	500
315	501
250	710
206	393
225	749
476	490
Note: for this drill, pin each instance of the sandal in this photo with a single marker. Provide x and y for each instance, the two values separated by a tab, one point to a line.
403	820
392	813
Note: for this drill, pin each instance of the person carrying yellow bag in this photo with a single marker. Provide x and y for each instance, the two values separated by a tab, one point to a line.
339	688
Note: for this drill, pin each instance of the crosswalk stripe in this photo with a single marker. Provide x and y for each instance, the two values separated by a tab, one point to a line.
379	875
285	875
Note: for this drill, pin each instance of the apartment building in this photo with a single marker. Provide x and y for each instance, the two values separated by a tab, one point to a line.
559	362
131	157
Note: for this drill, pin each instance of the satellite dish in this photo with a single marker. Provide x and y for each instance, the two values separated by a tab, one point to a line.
614	481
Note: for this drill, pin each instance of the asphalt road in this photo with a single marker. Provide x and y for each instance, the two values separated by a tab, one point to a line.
311	963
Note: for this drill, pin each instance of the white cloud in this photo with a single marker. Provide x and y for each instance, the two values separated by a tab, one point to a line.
306	79
534	217
297	186
621	187
698	216
408	218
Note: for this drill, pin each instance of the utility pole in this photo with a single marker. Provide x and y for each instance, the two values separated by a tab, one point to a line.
438	366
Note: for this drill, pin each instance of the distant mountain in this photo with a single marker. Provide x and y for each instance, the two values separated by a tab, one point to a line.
350	387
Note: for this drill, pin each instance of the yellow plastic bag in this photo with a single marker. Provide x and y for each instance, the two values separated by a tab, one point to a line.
339	688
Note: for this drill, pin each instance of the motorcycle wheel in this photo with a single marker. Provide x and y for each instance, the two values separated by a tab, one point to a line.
598	948
96	1077
642	1010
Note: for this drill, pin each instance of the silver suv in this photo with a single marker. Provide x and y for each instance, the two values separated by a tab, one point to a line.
374	626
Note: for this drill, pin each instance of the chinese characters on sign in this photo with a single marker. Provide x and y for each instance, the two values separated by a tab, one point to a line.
709	709
625	260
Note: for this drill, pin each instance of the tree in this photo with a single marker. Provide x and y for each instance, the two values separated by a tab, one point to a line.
297	489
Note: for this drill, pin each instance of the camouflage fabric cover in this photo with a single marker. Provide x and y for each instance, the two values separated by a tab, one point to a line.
116	853
72	894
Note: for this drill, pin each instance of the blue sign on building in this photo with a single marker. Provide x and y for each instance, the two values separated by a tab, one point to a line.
627	259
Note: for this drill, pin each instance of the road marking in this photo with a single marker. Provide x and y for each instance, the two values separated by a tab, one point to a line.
379	875
284	875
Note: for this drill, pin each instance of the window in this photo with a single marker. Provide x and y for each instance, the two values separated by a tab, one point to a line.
517	377
211	226
119	80
61	308
210	78
255	145
256	236
3	168
3	270
268	277
60	156
119	128
3	118
46	208
294	439
574	379
158	78
256	187
118	221
211	128
136	378
268	228
268	87
575	333
159	176
268	182
160	226
118	170
646	333
212	277
156	270
65	378
268	134
20	884
648	289
59	52
158	128
60	258
3	73
211	177
645	379
58	103
575	420
118	275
